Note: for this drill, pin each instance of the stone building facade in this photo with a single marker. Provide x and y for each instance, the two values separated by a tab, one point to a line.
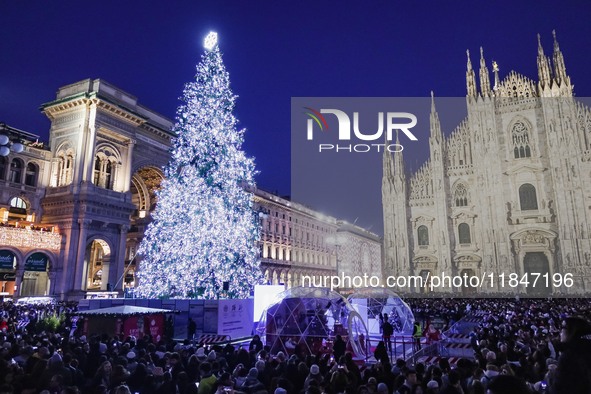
297	241
508	191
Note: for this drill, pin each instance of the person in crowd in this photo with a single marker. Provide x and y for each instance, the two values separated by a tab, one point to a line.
381	354
255	345
417	333
252	384
103	375
410	380
338	348
573	374
208	379
387	331
191	329
432	334
532	341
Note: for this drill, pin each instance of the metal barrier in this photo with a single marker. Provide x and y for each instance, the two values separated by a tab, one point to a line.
462	326
408	344
427	351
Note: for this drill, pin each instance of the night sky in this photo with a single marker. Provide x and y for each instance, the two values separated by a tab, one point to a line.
275	50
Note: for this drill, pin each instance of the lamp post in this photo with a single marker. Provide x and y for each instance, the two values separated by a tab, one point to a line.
263	214
336	241
6	145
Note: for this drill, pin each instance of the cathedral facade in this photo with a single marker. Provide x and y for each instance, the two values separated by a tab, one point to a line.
507	192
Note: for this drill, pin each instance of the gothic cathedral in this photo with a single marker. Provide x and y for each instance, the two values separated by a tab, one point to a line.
508	191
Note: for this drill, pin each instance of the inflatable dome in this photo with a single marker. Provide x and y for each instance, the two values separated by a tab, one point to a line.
306	320
371	302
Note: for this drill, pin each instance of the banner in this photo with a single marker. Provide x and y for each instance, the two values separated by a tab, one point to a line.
154	325
7	276
37	262
7	259
235	318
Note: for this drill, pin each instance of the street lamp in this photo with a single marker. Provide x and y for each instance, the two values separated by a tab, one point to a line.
336	240
6	145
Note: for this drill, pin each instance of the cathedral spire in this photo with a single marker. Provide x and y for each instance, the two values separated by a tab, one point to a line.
559	68
470	78
398	162
543	66
435	125
387	162
484	78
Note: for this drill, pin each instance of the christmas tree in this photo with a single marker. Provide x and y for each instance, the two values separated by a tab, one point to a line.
204	230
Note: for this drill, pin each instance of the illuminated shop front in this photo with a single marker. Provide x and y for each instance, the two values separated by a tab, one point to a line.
7	272
27	255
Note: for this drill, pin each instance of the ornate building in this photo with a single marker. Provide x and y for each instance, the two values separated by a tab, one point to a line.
298	241
507	191
27	248
72	213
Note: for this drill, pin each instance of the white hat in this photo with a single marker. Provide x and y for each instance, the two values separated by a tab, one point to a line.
433	384
314	369
201	353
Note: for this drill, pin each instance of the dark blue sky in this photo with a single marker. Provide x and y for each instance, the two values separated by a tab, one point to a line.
275	50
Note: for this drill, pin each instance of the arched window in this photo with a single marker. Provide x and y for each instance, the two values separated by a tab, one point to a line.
3	165
108	175
17	202
18	209
464	233
97	170
65	170
423	235
461	196
16	171
527	197
31	174
520	137
103	172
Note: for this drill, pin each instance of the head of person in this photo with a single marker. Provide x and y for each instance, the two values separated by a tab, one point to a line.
205	369
382	388
410	376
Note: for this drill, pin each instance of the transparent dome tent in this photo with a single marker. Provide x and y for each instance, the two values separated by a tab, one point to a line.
307	320
370	302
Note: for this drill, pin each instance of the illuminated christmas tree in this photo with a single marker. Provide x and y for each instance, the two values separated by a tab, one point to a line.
204	230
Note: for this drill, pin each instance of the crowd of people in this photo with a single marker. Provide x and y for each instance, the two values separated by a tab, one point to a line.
520	346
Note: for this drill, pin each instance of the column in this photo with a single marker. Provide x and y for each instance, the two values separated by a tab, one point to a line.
116	275
51	276
127	168
106	283
66	260
80	265
18	280
86	165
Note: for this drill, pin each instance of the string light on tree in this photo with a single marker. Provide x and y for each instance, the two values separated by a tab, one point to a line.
204	230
